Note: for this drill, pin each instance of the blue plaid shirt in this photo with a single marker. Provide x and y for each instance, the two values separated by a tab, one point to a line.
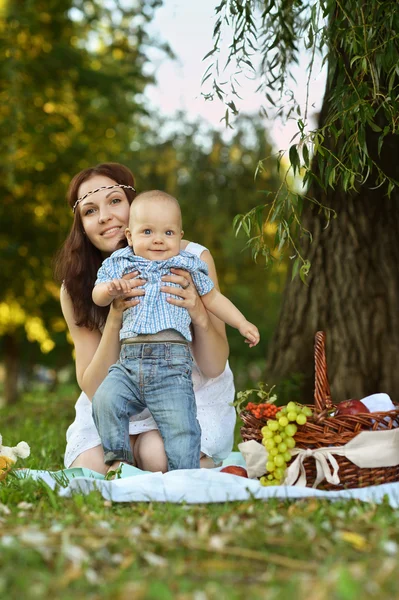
154	313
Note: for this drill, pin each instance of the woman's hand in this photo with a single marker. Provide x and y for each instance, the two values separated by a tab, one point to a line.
185	296
130	298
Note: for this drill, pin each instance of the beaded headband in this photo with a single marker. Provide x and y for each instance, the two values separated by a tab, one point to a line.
105	187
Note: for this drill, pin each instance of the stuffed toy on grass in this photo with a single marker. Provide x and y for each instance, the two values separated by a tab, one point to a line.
9	456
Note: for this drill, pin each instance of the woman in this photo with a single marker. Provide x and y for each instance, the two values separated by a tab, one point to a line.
100	198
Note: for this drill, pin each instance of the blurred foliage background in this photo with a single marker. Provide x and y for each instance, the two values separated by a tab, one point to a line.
72	76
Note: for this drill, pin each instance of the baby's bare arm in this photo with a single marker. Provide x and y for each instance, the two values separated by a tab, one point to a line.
225	310
104	293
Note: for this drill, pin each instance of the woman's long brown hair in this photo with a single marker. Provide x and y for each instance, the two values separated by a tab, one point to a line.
78	261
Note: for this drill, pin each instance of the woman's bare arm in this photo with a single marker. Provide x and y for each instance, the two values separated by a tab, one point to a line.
210	345
96	352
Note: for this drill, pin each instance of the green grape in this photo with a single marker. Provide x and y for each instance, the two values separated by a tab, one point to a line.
270	466
273	452
283	434
282	447
287	456
291	406
291	429
278	415
292	415
277	438
263	481
263	442
301	419
272	425
290	442
307	411
270	477
279	473
283	421
267	434
279	460
270	444
284	410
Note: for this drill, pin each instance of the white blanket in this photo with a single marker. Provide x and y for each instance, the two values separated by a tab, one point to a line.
199	486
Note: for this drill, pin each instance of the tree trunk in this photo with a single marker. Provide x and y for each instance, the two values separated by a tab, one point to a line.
352	294
11	361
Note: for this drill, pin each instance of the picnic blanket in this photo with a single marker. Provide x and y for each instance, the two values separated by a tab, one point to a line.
197	486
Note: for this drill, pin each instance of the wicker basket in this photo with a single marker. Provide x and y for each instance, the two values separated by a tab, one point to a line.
323	430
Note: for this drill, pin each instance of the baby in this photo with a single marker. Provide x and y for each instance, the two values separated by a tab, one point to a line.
155	363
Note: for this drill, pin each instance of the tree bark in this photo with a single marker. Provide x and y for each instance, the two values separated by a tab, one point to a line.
11	362
352	294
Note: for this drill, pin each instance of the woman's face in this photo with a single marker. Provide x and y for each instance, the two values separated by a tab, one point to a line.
105	214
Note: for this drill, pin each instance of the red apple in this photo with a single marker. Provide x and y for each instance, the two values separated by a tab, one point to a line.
234	471
351	407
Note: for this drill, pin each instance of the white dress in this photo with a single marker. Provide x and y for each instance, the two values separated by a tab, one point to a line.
215	414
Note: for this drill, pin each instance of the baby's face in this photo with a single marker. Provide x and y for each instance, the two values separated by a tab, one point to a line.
154	230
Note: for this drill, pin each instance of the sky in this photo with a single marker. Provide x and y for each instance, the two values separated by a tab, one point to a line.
187	26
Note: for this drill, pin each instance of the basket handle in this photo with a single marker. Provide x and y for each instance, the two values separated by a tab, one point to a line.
322	393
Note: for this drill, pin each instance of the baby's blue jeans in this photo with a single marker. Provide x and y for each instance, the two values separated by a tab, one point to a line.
157	376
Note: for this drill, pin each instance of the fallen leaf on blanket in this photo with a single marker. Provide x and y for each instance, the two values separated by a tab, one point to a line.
355	539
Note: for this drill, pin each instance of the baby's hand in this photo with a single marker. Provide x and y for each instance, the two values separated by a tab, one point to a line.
119	287
250	332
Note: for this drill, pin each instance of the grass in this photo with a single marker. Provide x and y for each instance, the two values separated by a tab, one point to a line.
85	547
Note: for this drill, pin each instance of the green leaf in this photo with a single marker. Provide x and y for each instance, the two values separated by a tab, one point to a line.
304	271
295	268
210	53
310	40
246	226
374	126
232	106
305	154
354	59
294	158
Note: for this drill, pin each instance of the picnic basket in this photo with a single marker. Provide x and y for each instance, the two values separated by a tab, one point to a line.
324	429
